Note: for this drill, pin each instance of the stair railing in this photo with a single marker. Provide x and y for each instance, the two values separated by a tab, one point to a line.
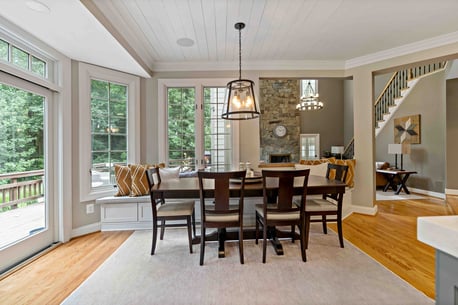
397	83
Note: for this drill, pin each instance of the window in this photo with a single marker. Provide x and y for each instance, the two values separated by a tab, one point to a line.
108	130
313	83
109	127
23	59
195	135
309	146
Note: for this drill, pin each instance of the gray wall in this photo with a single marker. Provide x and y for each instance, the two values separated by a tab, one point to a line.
329	121
428	158
452	134
348	111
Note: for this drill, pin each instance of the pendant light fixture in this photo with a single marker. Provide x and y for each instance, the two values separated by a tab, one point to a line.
240	103
310	100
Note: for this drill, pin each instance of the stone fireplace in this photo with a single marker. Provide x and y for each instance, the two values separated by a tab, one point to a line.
278	100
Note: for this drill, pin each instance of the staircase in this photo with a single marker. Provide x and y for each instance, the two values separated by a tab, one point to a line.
397	89
394	93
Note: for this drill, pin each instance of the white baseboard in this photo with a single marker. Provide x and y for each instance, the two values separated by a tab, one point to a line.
365	210
451	192
93	227
429	193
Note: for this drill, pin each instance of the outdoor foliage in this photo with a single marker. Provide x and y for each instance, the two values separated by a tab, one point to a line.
21	123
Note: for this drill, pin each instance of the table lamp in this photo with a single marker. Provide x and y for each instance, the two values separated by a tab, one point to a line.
338	150
395	149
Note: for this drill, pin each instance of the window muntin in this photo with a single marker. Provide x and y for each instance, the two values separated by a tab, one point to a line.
108	130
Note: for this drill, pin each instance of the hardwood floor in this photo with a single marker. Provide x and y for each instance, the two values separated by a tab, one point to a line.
52	277
389	237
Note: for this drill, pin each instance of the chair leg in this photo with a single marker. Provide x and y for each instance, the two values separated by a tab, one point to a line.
242	261
339	229
307	230
188	220
292	233
264	242
202	244
162	228
302	237
257	228
194	222
153	246
325	228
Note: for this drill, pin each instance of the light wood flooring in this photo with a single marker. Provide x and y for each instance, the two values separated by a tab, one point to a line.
389	237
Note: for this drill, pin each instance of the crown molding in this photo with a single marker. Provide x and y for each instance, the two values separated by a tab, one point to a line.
410	48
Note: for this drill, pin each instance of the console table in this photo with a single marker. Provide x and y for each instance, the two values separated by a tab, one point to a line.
396	179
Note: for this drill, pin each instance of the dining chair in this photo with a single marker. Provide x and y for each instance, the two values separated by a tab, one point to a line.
169	210
282	212
329	205
223	212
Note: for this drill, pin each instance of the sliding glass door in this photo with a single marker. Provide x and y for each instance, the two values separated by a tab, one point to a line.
26	204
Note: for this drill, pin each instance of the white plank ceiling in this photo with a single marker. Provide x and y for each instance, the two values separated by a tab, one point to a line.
296	34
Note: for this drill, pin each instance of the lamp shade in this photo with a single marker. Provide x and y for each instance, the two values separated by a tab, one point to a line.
337	149
240	101
399	149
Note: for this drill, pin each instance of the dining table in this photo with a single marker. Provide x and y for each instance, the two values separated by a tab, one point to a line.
181	188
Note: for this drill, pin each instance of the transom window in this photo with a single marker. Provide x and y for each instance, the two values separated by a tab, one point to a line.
23	59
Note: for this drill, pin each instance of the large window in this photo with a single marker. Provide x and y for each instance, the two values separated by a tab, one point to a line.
109	127
108	130
195	135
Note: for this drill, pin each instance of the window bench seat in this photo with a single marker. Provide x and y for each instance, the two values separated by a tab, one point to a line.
125	213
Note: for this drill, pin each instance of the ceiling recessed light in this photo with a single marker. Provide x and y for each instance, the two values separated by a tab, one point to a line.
38	6
185	42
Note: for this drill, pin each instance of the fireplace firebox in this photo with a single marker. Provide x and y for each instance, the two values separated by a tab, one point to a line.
280	158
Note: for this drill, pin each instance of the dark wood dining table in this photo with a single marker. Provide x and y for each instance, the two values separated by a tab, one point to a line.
189	188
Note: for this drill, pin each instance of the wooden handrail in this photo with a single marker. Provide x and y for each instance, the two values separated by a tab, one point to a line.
14	192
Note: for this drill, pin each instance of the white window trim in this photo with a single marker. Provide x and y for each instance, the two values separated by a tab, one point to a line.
199	84
86	73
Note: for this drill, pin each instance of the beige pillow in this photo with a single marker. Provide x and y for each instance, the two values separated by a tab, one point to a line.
168	173
139	181
123	180
316	170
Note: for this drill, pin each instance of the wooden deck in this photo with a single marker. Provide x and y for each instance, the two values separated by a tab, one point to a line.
20	223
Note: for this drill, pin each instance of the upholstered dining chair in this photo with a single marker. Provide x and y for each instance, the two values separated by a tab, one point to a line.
282	212
165	210
222	213
329	205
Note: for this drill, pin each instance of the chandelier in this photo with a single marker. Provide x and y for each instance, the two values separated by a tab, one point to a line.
310	100
240	103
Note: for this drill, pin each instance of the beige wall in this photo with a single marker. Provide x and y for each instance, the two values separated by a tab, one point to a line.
363	194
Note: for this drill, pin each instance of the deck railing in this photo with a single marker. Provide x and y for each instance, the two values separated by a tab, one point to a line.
20	187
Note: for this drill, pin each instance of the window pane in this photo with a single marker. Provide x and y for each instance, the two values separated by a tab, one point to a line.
217	132
22	150
4	50
99	90
20	58
109	129
38	66
181	126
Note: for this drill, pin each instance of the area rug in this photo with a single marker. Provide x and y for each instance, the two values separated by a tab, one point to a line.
390	195
331	275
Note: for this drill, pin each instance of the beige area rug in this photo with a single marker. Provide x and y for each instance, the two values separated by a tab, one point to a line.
389	195
331	275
